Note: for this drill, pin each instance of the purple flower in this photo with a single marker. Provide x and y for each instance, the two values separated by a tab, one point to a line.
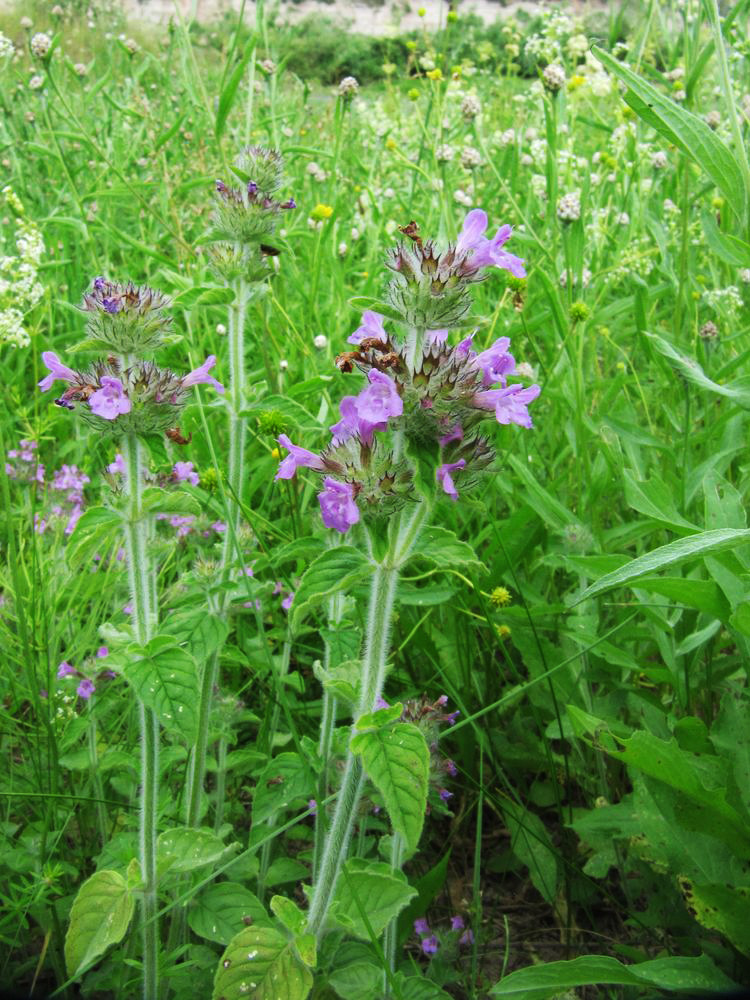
297	457
496	363
109	401
467	938
379	400
381	703
436	336
286	602
464	349
484	252
457	923
66	669
219	527
57	370
456	434
117	466
430	945
450	767
443	476
351	423
184	472
312	806
101	652
445	795
112	305
85	689
200	376
510	405
183	523
337	505
372	327
421	926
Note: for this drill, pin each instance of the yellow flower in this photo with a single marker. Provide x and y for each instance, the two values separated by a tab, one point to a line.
275	453
500	596
434	74
503	632
576	81
421	12
322	211
390	144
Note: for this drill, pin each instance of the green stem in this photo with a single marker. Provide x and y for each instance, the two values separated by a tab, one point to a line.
142	591
404	532
96	781
391	932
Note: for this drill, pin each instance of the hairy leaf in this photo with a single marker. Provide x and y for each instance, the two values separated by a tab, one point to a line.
99	918
260	963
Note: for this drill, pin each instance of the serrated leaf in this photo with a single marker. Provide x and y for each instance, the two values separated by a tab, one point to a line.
100	916
222	909
97	530
380	892
333	572
159	501
397	761
357	981
185	848
693	547
165	678
285	778
444	549
674	973
201	631
686	130
289	914
260	964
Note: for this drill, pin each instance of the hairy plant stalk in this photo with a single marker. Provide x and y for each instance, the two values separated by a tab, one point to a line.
404	533
196	772
390	938
142	595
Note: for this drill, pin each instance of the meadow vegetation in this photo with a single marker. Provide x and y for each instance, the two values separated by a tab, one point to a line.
374	602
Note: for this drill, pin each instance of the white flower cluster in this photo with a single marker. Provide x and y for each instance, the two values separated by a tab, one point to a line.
470	158
470	107
445	153
348	87
40	45
554	77
724	300
316	171
6	47
20	289
569	207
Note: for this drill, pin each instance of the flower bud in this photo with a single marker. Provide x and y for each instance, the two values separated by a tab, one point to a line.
126	318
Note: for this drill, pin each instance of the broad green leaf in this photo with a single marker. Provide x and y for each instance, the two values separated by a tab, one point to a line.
696	778
223	909
165	678
654	499
357	981
229	91
418	988
97	531
341	680
721	908
692	547
372	887
285	778
686	130
730	734
531	845
424	597
185	849
159	501
397	761
286	870
730	249
202	632
260	964
289	914
548	979
333	572
690	369
99	918
444	549
704	595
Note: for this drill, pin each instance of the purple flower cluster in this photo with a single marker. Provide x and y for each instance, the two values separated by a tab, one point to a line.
86	686
430	943
24	464
68	484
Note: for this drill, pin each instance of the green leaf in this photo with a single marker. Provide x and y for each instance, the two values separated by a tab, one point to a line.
341	680
334	571
97	530
184	848
229	91
721	908
686	130
258	964
360	303
704	595
730	249
290	408
692	547
690	369
418	988
201	631
676	973
550	510
380	892
397	761
444	549
285	778
531	845
223	910
286	870
289	914
159	501
99	918
730	734
654	499
165	678
357	981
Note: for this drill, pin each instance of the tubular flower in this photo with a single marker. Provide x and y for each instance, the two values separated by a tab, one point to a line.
57	370
297	457
371	327
200	376
110	400
443	476
337	505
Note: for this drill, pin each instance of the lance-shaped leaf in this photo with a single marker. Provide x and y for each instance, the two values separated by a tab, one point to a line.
261	963
690	369
333	572
165	678
372	888
684	129
99	918
396	758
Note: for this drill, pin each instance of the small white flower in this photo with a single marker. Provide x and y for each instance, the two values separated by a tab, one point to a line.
507	138
36	83
713	119
40	45
470	158
342	248
320	341
745	275
355	234
390	227
569	207
470	107
554	77
623	219
445	153
131	45
525	370
80	69
26	23
221	329
7	47
659	160
389	193
348	87
283	364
